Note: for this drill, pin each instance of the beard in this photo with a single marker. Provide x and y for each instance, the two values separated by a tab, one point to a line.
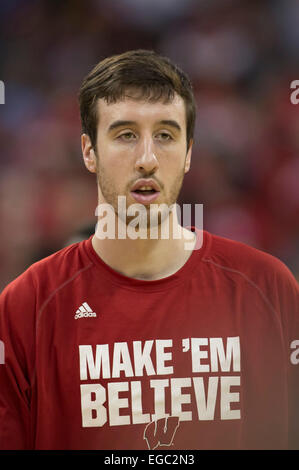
156	213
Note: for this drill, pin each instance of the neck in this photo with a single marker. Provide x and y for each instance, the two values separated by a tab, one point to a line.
147	258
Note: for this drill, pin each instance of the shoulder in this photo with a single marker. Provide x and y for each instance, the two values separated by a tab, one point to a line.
22	299
235	255
242	263
48	273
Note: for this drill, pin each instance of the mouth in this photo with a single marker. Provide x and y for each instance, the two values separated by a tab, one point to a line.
145	196
145	191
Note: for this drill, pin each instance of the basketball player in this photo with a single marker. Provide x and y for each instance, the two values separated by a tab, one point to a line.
137	342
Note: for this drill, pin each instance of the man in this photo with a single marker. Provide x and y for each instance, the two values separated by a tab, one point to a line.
146	342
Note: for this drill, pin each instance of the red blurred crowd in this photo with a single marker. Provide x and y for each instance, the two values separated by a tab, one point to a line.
241	57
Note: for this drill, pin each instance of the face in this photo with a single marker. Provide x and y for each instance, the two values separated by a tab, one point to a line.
139	143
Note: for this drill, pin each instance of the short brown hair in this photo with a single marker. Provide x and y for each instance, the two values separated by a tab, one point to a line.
155	76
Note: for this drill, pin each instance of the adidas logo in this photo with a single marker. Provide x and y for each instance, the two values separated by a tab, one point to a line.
84	311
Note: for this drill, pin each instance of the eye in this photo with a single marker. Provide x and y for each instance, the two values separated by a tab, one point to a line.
127	136
164	136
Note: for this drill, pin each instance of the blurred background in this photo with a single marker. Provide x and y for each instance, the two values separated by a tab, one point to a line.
241	57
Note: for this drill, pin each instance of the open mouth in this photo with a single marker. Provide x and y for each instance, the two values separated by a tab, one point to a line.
145	196
145	191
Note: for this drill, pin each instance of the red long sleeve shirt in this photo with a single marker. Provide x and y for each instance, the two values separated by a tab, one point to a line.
207	358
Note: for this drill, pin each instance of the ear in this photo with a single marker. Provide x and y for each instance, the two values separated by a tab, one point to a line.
88	152
188	157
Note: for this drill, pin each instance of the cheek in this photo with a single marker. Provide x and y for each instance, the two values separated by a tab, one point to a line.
116	155
172	163
112	161
112	176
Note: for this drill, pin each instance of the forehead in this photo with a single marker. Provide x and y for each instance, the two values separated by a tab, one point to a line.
141	111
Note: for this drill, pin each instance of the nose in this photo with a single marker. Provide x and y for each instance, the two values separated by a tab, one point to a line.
146	162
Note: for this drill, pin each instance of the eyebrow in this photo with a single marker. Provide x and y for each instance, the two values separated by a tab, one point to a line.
171	123
121	123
